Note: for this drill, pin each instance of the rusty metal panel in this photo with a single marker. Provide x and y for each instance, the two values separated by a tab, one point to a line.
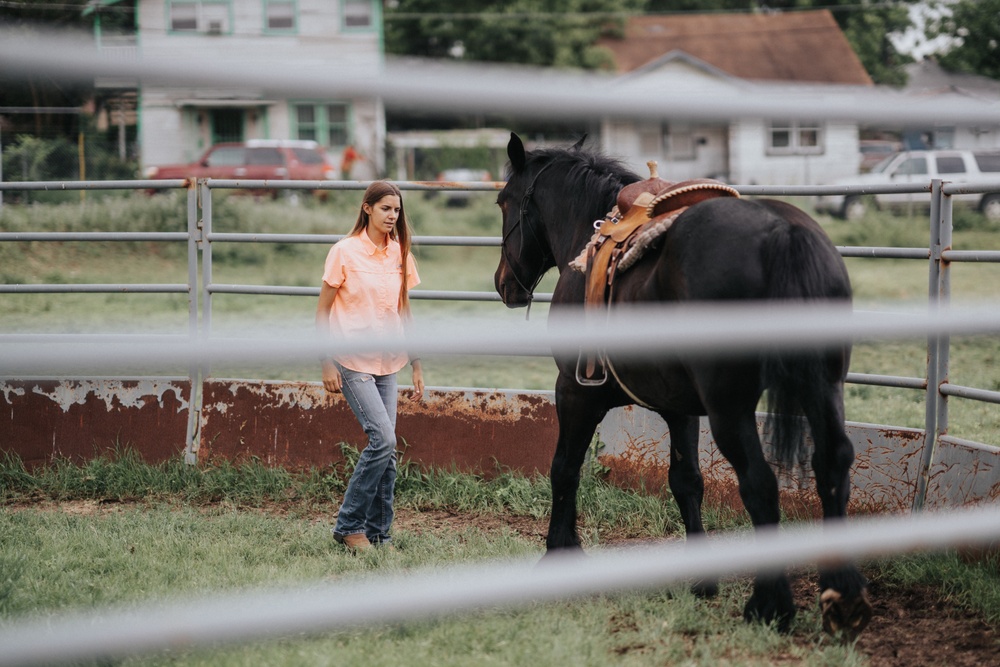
963	473
297	424
885	472
42	420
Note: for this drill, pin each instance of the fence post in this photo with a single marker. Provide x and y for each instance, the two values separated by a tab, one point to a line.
937	345
194	372
205	193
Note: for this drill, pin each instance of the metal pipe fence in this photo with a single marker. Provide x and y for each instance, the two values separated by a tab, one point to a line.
252	615
201	238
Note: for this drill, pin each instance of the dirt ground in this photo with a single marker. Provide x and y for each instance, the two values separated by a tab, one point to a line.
914	628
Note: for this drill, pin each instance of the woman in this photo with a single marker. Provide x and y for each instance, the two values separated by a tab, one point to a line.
364	294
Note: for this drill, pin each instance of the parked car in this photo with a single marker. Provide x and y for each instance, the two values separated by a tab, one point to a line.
873	151
461	197
259	159
956	166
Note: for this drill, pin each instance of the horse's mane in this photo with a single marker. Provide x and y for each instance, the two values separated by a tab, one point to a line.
592	175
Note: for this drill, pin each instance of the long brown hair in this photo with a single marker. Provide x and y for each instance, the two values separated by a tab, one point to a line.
400	232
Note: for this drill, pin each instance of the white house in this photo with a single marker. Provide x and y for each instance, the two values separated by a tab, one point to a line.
177	124
927	80
788	54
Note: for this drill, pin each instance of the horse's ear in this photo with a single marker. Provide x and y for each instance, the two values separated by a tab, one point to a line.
515	151
579	144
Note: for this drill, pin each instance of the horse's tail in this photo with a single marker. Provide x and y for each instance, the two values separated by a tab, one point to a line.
802	265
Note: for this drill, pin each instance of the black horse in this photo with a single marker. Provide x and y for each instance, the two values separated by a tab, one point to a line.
723	249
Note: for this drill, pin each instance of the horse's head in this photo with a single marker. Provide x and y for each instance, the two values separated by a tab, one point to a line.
525	252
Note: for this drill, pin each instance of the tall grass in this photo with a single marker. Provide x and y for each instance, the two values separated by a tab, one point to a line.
123	477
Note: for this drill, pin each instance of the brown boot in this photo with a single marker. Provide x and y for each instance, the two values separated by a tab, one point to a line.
354	543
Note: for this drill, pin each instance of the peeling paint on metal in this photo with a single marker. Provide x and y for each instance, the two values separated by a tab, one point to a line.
298	424
884	475
80	419
113	393
10	390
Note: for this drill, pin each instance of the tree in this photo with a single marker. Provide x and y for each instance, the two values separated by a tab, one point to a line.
975	27
868	33
555	33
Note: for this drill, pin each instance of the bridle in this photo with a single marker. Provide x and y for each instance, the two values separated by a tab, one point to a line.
521	216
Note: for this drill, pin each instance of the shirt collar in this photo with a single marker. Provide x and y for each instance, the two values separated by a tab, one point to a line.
370	245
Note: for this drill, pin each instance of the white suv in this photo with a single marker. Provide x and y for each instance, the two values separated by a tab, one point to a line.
919	167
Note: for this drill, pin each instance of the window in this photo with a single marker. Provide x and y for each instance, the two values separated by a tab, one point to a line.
327	124
358	14
914	166
650	140
208	16
307	155
950	164
280	15
183	16
226	156
680	141
791	137
988	162
264	156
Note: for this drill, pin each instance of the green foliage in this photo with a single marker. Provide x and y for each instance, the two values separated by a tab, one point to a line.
974	26
868	33
31	158
559	34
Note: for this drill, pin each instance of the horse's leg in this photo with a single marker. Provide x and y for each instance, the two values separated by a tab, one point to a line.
578	414
735	432
687	484
843	589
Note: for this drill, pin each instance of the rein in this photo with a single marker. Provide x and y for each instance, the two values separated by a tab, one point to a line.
521	216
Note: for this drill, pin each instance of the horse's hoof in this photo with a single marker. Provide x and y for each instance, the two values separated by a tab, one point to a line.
556	555
705	589
759	611
845	617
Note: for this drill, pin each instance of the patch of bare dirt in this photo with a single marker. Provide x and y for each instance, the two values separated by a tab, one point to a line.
914	627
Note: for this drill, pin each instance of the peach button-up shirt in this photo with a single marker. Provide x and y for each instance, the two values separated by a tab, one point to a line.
367	301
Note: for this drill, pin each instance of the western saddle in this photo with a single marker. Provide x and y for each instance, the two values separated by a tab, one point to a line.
643	212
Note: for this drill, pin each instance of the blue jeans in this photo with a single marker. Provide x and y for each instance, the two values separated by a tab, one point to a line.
367	506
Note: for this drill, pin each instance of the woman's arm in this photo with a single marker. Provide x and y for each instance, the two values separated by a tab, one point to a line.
418	371
324	309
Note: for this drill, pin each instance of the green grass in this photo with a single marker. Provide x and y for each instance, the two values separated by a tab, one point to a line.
898	285
198	531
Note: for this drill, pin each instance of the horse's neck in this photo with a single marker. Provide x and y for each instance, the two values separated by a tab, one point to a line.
576	227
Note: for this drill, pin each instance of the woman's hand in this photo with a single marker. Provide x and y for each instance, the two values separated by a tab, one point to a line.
418	380
332	381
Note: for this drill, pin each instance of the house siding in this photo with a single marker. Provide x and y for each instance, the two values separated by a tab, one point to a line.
751	163
176	122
